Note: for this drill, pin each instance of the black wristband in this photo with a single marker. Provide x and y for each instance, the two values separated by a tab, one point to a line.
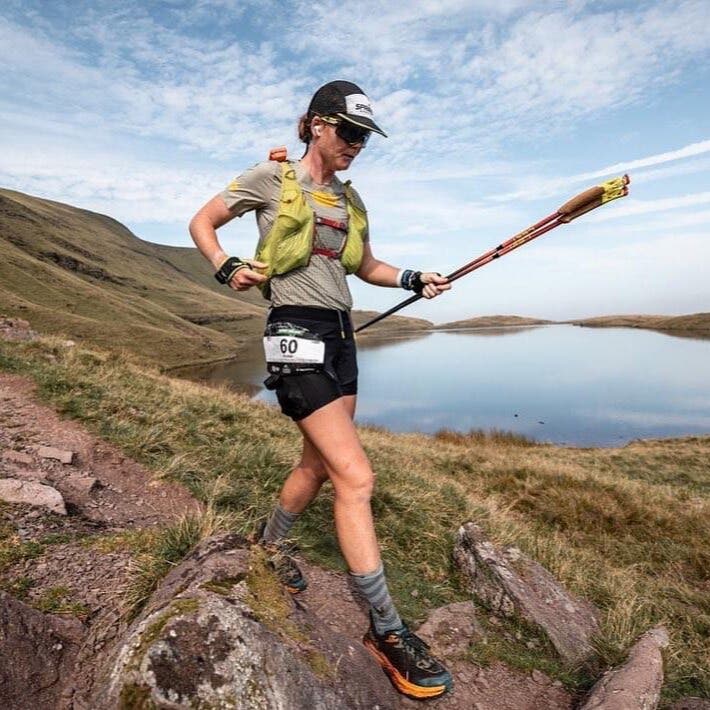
226	272
410	279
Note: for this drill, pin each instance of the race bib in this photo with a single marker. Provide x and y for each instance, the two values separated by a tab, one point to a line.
293	349
286	344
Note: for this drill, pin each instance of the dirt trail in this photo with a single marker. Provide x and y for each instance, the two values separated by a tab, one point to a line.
128	497
127	494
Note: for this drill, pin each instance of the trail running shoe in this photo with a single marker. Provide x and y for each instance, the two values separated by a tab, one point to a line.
280	559
406	660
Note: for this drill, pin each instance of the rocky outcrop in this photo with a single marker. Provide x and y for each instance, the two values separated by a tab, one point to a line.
636	685
15	490
222	632
511	584
16	329
37	652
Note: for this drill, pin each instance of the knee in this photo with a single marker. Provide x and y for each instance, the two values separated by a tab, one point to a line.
355	489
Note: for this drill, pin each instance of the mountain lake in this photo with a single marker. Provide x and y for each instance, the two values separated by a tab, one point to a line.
557	383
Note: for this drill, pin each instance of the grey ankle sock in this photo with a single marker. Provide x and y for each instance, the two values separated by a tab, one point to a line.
279	524
373	587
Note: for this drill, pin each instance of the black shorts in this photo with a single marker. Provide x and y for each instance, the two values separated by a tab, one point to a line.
302	394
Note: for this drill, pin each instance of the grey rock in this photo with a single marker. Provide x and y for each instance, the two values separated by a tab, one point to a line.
16	329
207	638
78	489
51	452
37	652
635	685
451	628
14	490
512	584
540	678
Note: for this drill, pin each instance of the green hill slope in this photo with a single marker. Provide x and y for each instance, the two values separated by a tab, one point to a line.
87	276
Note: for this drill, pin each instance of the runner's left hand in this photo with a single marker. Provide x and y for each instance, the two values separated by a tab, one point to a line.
435	284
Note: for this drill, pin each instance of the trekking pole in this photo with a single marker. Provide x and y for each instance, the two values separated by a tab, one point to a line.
581	204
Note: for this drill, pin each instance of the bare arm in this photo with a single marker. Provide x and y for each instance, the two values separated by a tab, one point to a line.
379	273
376	272
203	230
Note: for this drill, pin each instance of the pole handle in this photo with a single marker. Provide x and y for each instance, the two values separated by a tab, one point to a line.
594	197
593	194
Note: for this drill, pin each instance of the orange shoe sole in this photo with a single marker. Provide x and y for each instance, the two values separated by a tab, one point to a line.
399	681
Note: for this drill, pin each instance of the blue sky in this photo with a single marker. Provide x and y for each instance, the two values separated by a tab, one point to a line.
498	111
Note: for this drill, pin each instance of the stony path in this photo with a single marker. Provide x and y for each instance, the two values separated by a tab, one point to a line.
106	492
124	494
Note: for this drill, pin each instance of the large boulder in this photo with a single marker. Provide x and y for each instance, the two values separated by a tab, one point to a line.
635	685
511	584
37	653
221	632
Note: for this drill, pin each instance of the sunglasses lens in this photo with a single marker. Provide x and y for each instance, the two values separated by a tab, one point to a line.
352	134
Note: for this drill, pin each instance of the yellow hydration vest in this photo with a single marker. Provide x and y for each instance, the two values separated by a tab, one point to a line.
289	243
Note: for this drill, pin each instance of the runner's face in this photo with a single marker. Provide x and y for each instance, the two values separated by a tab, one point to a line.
336	153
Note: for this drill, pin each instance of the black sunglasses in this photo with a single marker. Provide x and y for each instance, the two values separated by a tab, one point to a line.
349	132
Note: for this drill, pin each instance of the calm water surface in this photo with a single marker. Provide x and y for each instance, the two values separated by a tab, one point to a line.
559	383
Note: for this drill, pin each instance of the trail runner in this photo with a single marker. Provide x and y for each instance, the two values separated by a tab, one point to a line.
314	232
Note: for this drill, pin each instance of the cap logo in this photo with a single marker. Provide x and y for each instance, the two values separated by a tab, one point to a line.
358	105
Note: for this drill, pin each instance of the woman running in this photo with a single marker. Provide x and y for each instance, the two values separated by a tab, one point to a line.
313	233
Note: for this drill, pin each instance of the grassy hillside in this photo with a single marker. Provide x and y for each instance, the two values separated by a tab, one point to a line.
86	276
626	528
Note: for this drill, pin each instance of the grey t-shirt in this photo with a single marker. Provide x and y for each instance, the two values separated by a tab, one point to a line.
321	282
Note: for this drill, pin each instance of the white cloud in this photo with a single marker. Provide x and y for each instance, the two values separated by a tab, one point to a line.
636	207
144	110
536	187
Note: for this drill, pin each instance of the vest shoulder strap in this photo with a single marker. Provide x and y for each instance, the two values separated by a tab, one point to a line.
348	189
290	189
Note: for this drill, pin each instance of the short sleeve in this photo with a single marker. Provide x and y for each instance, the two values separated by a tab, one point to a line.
253	189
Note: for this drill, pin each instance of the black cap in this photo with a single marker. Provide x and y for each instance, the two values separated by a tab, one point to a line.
347	101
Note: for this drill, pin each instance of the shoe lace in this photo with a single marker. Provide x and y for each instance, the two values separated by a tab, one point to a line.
417	648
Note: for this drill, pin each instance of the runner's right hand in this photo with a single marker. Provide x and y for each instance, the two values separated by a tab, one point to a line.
244	279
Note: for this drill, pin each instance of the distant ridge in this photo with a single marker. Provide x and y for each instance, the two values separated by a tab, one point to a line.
695	323
493	322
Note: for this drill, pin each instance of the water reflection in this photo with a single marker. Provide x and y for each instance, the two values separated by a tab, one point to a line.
557	383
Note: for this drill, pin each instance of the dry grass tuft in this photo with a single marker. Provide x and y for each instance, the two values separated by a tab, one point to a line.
158	551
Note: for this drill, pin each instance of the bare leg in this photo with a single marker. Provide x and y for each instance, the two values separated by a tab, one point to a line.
306	479
331	432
